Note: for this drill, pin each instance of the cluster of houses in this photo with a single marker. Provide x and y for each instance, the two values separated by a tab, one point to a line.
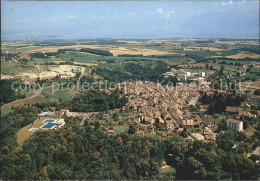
183	75
168	107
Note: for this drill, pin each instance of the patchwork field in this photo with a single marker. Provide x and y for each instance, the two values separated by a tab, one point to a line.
203	48
244	55
79	63
7	68
133	51
250	85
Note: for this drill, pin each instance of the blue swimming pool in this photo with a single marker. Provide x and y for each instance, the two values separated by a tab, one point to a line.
50	125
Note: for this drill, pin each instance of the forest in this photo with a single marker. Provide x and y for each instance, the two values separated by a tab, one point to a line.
96	51
7	93
135	72
85	152
92	101
219	101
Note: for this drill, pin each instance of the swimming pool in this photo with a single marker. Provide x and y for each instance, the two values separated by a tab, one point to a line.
50	125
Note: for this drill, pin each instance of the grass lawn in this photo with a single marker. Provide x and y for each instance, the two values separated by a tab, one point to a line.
168	169
60	94
216	120
6	111
119	128
23	134
250	132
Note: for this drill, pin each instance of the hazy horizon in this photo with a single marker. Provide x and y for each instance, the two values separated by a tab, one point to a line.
72	20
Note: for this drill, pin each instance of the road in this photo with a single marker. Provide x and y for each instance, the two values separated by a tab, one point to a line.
38	92
82	72
212	75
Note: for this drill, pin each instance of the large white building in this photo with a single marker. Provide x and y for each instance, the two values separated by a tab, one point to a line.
235	124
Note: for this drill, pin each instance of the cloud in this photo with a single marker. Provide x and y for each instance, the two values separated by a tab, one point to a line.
168	15
63	17
242	2
225	3
159	10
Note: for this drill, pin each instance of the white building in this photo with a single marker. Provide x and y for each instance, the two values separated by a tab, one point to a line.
168	74
188	74
182	76
234	124
202	74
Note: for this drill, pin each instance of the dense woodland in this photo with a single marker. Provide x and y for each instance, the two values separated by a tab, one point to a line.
81	152
90	101
96	51
135	72
218	102
7	93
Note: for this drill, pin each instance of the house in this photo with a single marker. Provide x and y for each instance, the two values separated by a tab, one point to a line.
254	99
196	117
168	74
234	124
182	76
205	120
160	121
147	120
66	111
110	131
174	70
202	74
197	136
258	113
246	114
256	154
245	106
166	115
209	134
140	132
170	124
221	91
46	114
189	123
58	114
232	110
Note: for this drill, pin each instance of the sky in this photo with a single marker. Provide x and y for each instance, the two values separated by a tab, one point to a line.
129	19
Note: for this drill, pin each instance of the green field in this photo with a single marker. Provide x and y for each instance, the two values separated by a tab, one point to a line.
59	94
7	68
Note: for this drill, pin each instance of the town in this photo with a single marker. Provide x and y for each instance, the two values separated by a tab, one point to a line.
110	90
